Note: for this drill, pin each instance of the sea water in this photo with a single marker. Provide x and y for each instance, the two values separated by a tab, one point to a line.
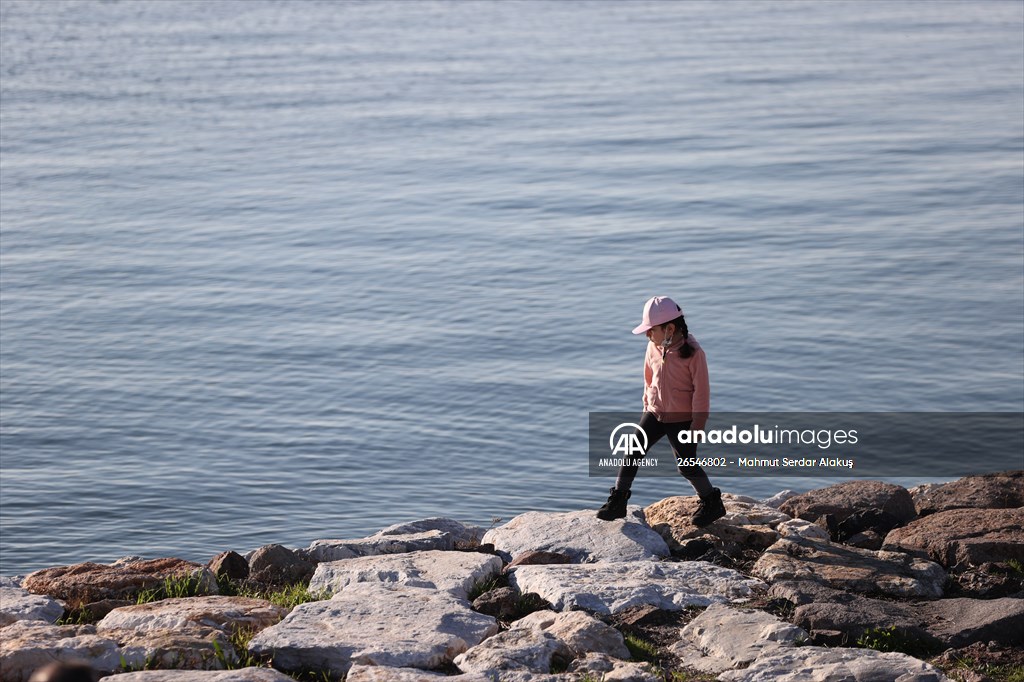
274	271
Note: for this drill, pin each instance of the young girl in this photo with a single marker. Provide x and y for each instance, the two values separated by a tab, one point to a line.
676	398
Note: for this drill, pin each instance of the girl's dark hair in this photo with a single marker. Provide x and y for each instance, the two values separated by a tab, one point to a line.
686	350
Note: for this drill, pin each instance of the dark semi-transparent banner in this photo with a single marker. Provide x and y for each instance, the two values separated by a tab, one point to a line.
839	444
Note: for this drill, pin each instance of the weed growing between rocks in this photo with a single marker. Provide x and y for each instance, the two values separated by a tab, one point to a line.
474	543
241	657
81	615
288	596
484	586
641	650
81	612
892	639
173	588
994	663
505	604
649	631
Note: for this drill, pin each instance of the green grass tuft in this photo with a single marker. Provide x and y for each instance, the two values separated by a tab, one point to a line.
894	639
288	596
173	588
640	649
486	585
1006	673
242	658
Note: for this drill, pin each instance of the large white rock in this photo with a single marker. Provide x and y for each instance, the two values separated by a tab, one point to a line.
30	644
798	528
780	498
227	614
400	627
849	568
747	524
380	673
193	632
611	587
580	631
18	604
724	638
818	664
453	572
523	649
190	647
463	535
580	535
602	667
335	550
240	675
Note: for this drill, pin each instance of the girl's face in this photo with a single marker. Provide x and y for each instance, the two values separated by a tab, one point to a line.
658	334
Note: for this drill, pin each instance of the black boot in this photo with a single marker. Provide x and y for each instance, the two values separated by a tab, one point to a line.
615	507
709	509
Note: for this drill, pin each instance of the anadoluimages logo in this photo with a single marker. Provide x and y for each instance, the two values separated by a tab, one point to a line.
628	443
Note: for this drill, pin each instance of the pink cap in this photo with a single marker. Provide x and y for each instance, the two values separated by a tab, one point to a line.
658	310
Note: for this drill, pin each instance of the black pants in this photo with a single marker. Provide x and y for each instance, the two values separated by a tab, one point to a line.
655	430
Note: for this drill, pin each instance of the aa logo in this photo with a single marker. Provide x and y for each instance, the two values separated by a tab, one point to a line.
632	442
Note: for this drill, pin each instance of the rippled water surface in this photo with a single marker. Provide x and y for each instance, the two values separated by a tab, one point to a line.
275	271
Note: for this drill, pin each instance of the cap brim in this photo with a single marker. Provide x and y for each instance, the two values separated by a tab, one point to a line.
641	328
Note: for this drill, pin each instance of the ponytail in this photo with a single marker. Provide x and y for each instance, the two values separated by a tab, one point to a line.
686	350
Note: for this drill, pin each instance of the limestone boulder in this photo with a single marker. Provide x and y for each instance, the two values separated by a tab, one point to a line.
525	649
817	664
580	631
375	545
275	565
962	622
845	500
380	673
28	645
190	646
612	587
1003	490
192	633
942	623
747	524
401	627
959	538
452	572
746	511
229	566
96	610
799	528
80	584
580	535
464	536
507	605
867	539
607	669
846	616
240	675
534	558
726	638
228	614
780	498
859	570
19	604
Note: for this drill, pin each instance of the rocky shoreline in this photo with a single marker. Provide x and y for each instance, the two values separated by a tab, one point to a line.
862	580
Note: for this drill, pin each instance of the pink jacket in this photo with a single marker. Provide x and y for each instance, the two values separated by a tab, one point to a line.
676	389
